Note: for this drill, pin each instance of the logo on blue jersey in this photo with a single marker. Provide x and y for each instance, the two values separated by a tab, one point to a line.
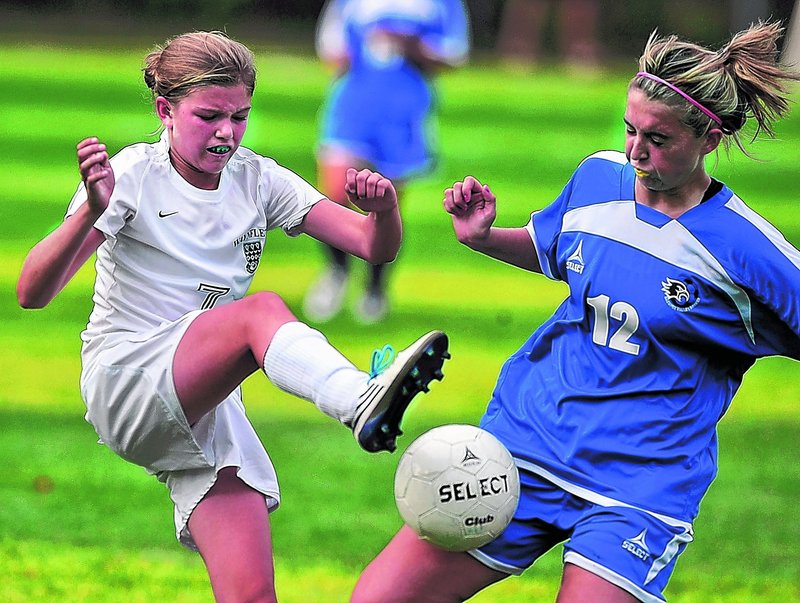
637	546
575	261
680	295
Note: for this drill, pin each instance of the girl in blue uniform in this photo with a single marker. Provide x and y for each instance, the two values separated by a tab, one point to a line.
377	112
676	287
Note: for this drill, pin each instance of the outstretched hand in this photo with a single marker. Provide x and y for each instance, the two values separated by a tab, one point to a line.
96	172
370	191
472	206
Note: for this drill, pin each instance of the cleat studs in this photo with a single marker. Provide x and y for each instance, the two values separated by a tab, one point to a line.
438	375
415	372
446	355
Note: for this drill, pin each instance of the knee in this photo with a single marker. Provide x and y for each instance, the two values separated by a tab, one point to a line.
248	592
266	301
261	593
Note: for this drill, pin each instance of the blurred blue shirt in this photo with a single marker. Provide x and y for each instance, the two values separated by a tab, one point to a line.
377	109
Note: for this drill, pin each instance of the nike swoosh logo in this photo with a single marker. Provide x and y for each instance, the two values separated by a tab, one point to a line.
166	214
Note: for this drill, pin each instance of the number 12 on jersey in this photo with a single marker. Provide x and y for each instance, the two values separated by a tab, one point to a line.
620	311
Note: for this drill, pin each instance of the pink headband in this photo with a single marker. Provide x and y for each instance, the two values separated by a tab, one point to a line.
674	88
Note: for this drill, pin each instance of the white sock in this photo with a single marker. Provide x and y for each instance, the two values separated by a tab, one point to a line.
299	360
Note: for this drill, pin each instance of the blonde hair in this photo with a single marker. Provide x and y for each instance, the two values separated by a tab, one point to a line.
197	59
742	80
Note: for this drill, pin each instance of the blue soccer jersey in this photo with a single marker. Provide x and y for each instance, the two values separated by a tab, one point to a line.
379	108
617	396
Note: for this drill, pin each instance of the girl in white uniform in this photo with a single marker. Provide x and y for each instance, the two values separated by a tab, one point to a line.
179	227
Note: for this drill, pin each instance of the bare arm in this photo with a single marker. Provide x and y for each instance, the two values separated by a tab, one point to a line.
415	50
55	259
472	207
374	236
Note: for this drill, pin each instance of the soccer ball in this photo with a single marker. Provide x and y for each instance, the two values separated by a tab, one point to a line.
457	487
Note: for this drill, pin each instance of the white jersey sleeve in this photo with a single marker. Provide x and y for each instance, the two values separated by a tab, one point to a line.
285	196
122	206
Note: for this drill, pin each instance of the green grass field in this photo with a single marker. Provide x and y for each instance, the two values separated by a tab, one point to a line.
78	524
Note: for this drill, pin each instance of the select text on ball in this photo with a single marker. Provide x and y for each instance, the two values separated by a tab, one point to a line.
486	486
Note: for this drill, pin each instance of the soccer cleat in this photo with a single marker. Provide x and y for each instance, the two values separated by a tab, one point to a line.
392	386
325	298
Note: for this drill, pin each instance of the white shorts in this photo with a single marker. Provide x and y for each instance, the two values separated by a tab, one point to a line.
131	401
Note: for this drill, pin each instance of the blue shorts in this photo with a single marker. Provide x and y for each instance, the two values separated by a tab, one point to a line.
393	139
628	547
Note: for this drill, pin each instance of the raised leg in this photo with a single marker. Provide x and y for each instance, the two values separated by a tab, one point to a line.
222	347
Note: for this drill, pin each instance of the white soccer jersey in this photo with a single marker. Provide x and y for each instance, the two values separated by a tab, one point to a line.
172	248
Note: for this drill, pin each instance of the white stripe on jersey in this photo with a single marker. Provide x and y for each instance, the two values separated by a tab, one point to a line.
673	243
612	156
735	204
598	499
541	255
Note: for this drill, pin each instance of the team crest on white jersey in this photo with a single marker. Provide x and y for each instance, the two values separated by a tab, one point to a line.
575	261
251	249
680	295
252	254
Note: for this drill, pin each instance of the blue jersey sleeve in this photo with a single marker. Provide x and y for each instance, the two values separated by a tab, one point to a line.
545	227
597	179
769	269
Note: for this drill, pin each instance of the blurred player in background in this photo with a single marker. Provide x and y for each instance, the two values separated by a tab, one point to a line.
676	288
179	227
378	113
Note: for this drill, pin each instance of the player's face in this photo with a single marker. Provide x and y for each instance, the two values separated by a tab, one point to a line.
205	127
665	152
